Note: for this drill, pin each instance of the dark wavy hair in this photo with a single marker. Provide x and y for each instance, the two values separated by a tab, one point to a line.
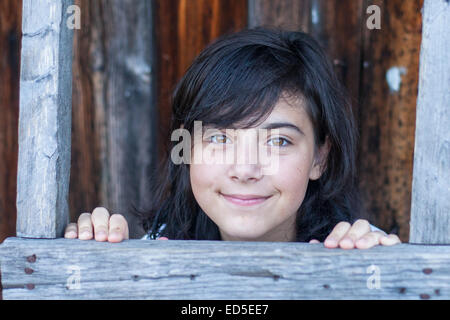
239	78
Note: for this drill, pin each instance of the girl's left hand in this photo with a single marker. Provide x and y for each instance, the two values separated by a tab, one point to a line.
359	235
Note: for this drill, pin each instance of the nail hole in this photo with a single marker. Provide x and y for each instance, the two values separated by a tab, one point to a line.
31	258
29	270
427	270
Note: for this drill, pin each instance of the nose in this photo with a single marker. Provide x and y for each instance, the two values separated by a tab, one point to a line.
246	167
245	172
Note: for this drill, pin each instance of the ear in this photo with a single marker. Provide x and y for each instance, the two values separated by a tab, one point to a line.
320	160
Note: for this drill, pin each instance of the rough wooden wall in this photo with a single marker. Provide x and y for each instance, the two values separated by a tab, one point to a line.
114	108
100	169
10	30
387	113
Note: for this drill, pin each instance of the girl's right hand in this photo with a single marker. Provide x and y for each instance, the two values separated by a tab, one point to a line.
100	225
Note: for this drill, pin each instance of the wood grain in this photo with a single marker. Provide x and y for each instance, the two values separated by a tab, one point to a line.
114	108
291	15
138	269
44	120
430	216
10	36
387	113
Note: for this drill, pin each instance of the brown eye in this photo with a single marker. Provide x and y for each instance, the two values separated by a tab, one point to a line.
219	138
279	142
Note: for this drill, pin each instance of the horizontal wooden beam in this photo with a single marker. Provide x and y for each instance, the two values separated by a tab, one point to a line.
138	269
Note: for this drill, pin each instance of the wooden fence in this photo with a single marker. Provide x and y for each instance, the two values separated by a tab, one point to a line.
34	268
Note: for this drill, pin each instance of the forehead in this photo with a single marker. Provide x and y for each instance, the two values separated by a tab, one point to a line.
289	109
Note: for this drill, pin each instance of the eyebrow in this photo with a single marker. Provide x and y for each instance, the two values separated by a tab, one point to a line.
277	125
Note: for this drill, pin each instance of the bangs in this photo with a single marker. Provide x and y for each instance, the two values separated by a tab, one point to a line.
241	87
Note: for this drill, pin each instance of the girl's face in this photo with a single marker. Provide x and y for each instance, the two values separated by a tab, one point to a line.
244	202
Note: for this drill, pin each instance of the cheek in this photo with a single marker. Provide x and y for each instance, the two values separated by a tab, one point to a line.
293	177
204	180
198	178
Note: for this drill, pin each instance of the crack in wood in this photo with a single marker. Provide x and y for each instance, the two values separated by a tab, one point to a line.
41	32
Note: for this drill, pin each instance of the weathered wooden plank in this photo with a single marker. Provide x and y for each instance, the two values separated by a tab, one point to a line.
389	77
137	269
337	27
287	14
430	215
44	119
114	108
10	32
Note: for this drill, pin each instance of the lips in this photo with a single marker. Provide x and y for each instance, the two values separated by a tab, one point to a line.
245	200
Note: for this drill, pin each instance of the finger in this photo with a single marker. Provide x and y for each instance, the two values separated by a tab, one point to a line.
100	222
71	231
332	241
390	240
162	238
85	226
314	241
359	228
369	240
118	228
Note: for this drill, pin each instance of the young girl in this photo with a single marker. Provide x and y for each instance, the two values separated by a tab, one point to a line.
256	79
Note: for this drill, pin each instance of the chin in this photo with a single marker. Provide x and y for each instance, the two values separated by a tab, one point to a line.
243	234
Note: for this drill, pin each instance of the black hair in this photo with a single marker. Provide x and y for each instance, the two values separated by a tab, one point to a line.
239	78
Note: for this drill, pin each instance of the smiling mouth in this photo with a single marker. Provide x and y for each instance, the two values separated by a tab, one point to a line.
245	200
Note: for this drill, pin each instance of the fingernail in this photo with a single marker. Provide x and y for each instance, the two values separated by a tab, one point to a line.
71	234
385	239
331	241
85	234
347	241
101	234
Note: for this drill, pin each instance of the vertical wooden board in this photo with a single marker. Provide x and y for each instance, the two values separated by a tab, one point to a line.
337	26
44	119
87	107
10	35
291	15
114	108
183	28
387	113
430	213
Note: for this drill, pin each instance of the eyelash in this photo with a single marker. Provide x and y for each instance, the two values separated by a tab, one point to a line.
286	141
